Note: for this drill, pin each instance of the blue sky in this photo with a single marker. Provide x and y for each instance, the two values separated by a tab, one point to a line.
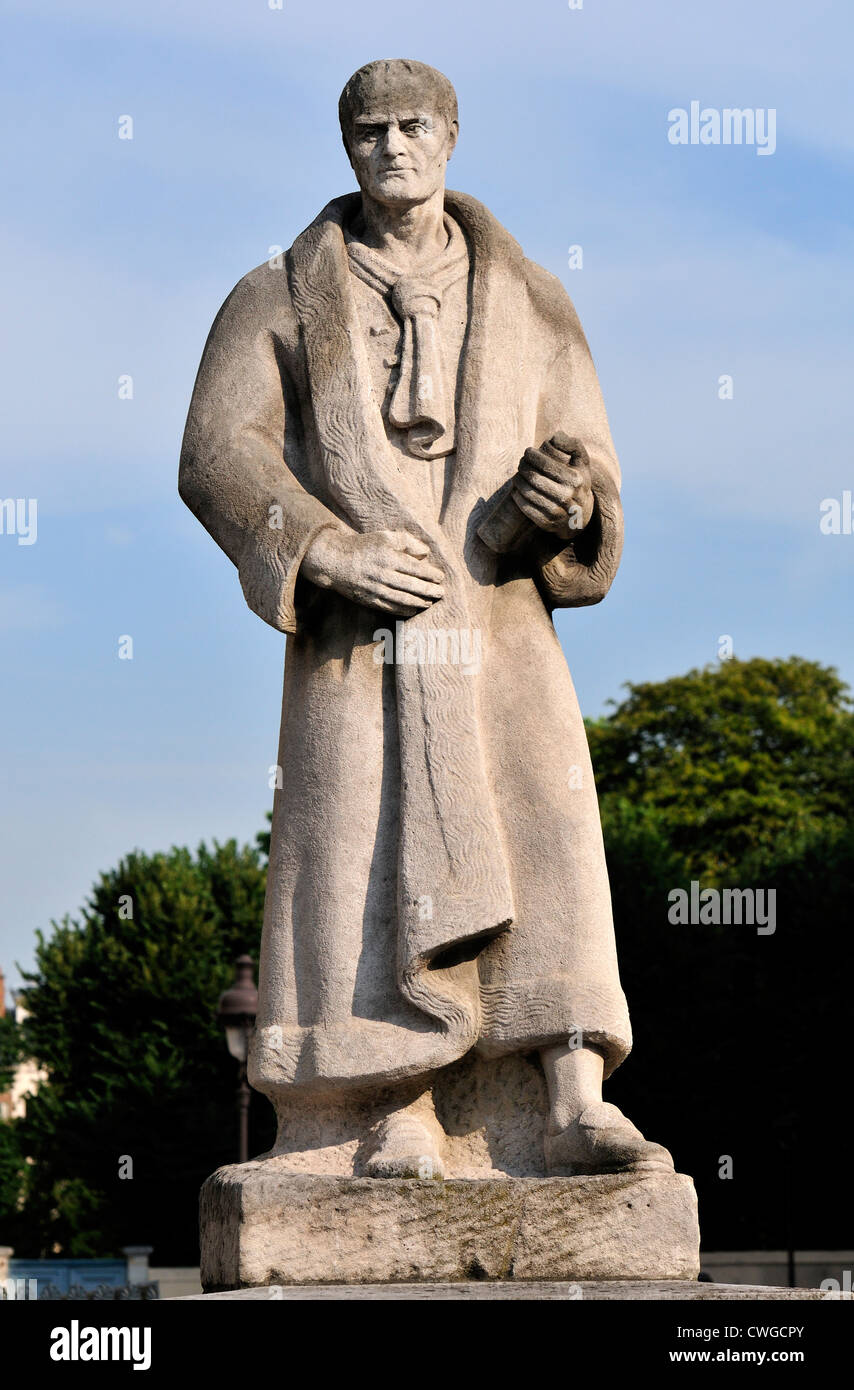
699	261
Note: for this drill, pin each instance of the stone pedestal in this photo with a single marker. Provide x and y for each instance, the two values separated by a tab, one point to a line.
262	1224
608	1291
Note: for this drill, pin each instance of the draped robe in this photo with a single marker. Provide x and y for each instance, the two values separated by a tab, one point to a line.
437	879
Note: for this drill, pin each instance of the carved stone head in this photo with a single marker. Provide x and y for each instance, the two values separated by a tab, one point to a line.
399	125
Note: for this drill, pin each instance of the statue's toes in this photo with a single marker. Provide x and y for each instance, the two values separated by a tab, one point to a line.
602	1140
405	1148
398	1165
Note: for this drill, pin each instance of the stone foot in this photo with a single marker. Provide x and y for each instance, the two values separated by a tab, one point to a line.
602	1140
408	1143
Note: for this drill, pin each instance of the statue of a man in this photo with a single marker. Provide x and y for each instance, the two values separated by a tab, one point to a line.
397	436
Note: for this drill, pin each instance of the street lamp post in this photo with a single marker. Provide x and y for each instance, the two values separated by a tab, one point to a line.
235	1013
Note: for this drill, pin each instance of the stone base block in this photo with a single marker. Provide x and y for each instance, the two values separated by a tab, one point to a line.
261	1225
648	1290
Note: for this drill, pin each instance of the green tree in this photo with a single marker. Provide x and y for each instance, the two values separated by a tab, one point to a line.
733	758
121	1014
11	1050
262	839
11	1158
738	776
12	1175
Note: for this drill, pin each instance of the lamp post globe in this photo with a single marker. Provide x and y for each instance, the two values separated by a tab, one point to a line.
235	1013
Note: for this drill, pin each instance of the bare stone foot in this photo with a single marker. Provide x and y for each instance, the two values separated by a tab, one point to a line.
602	1140
408	1144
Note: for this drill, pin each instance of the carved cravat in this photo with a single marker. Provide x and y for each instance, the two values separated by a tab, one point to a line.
423	399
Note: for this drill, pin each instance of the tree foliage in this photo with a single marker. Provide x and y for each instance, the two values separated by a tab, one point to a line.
733	758
122	1015
11	1050
739	776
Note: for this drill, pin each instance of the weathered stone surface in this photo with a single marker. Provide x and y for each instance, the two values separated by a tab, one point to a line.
261	1225
493	1114
397	435
551	1291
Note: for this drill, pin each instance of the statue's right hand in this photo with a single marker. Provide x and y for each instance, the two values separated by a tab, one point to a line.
389	570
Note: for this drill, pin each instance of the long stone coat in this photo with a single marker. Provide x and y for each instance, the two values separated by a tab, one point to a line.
437	880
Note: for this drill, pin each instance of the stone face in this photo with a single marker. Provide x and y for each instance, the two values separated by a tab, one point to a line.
262	1225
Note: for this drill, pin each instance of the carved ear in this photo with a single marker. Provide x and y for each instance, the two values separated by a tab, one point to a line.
347	148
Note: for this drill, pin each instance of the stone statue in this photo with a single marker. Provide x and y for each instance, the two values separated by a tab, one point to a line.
397	436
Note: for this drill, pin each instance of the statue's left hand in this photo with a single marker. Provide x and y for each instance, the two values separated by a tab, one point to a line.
553	488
